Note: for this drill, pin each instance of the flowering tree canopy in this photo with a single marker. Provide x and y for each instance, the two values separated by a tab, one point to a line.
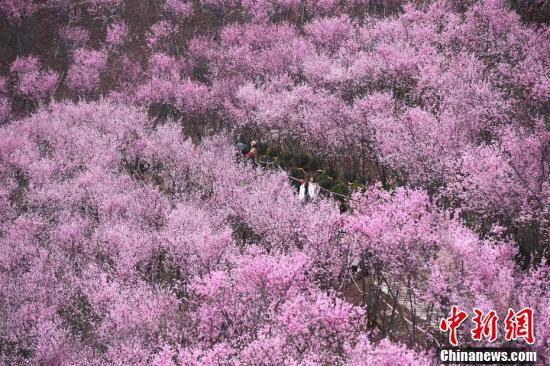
131	234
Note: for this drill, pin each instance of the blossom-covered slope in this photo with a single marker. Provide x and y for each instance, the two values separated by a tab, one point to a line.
129	233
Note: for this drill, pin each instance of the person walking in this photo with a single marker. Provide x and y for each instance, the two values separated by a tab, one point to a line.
302	191
252	153
313	188
242	149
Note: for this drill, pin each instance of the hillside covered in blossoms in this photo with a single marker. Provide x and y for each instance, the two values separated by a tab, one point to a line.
134	232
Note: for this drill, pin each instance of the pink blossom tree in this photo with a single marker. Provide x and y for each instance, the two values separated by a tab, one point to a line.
84	75
32	83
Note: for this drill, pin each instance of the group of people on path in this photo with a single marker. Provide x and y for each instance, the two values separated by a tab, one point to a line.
308	190
248	152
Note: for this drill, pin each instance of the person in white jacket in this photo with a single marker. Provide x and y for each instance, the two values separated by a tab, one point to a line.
302	191
313	188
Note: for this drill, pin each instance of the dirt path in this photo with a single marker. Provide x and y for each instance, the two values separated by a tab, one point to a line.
390	313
